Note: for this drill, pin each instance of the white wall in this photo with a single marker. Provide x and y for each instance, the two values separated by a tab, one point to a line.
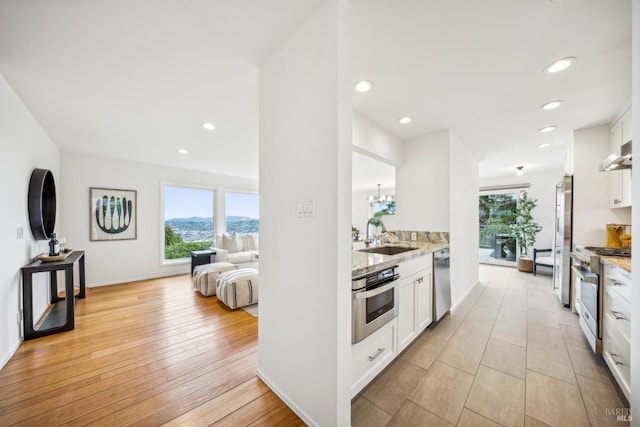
635	314
372	140
360	210
464	214
437	190
423	184
305	263
591	210
25	146
80	172
543	188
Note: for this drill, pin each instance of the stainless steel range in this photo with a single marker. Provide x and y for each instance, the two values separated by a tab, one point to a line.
587	268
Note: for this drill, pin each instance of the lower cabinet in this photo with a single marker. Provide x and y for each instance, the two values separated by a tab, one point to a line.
424	303
415	307
415	312
371	355
616	336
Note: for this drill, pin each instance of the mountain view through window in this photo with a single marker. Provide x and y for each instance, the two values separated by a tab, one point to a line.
189	221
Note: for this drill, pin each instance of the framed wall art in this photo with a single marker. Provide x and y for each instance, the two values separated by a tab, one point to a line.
113	214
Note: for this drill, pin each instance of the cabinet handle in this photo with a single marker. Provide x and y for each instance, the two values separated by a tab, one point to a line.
378	353
616	201
617	314
613	356
616	283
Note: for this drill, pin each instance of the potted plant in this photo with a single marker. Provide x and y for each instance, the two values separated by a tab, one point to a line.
525	230
355	234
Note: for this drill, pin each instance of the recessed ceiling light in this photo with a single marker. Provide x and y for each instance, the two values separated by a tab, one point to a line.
559	65
544	145
208	126
364	86
183	151
547	129
552	105
404	120
519	171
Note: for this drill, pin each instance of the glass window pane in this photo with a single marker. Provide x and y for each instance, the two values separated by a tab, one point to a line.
188	221
242	213
497	242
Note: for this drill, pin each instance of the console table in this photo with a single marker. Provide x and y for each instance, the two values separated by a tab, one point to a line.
60	315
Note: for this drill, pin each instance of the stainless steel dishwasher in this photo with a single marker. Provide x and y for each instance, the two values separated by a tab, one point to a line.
441	284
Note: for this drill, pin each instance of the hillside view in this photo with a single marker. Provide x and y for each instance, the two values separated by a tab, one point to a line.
198	229
183	235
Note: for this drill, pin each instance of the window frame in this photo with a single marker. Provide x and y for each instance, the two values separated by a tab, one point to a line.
216	191
224	206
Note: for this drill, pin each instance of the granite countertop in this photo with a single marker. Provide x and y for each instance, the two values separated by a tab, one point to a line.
618	261
363	262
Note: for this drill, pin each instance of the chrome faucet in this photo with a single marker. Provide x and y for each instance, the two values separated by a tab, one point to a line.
376	239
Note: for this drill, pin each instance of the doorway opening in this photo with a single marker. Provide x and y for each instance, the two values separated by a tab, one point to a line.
497	214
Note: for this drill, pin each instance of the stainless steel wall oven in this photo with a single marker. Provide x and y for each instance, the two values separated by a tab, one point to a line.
374	302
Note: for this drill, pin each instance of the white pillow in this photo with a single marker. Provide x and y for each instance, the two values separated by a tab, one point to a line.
238	241
230	243
249	243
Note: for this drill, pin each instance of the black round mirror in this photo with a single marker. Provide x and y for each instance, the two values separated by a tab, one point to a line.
42	204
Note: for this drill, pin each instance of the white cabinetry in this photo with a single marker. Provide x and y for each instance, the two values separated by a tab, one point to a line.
620	181
371	355
415	312
616	337
415	308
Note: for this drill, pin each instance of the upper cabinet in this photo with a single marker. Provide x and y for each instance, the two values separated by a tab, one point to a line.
620	181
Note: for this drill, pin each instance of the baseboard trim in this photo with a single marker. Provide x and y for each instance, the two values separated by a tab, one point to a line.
10	354
454	306
299	412
139	279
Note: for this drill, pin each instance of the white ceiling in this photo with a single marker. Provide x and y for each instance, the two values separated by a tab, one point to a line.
135	79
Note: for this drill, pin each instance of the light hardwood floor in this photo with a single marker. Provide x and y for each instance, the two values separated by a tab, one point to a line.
146	353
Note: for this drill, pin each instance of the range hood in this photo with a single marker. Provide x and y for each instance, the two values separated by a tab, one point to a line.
617	162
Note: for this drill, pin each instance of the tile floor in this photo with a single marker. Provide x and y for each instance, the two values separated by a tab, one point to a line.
508	355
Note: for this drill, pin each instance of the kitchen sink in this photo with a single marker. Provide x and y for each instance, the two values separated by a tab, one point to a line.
387	250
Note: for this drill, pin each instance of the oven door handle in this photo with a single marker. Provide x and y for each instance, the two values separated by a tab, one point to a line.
585	274
374	292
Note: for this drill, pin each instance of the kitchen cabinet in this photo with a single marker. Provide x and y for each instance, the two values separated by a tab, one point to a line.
616	337
371	355
415	307
620	181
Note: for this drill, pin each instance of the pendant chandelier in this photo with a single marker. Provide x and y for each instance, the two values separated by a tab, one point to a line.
380	198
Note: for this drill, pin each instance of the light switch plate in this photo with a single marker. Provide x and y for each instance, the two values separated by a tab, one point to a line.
305	207
20	233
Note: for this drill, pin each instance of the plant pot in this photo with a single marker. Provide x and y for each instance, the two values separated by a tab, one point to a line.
525	265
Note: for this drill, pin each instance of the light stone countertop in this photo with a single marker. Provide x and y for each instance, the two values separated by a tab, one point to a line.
618	261
363	262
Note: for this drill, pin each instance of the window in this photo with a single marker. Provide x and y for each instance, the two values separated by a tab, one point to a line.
241	213
188	221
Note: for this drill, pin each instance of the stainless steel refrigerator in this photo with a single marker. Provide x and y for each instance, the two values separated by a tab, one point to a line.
563	241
